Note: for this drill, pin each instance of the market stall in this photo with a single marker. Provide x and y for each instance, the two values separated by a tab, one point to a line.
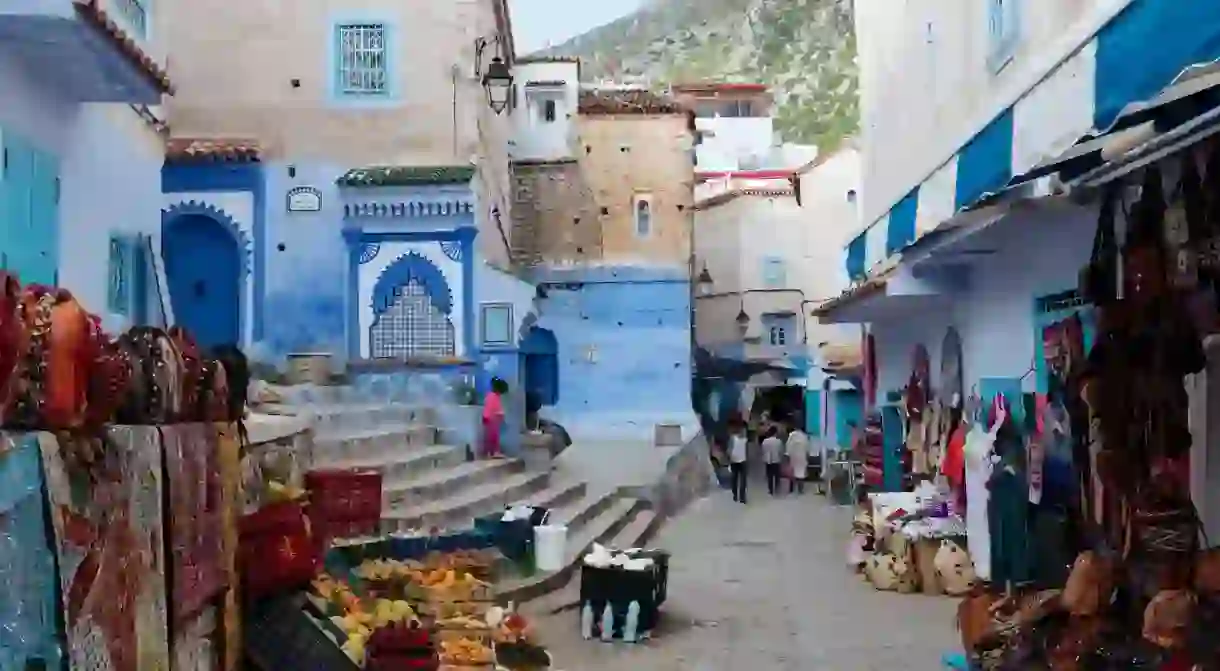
115	442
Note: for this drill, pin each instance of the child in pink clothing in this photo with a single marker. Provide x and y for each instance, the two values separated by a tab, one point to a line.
493	418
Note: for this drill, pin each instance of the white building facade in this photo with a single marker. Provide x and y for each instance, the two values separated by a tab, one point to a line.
985	125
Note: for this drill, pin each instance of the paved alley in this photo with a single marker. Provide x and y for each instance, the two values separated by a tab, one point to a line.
763	587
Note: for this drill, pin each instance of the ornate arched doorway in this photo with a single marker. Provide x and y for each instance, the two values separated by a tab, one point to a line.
204	259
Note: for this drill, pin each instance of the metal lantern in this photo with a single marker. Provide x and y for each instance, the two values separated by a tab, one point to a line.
743	321
499	83
703	284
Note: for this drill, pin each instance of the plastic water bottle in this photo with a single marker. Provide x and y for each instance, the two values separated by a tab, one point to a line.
586	621
632	622
608	623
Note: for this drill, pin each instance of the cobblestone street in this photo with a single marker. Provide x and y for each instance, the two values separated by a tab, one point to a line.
764	587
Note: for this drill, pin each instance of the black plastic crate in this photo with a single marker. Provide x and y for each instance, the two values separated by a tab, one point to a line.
279	634
619	587
649	614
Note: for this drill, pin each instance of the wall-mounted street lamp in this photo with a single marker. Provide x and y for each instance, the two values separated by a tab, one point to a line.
743	321
498	82
703	284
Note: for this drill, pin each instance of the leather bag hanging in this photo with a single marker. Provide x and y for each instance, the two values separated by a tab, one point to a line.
14	339
1099	279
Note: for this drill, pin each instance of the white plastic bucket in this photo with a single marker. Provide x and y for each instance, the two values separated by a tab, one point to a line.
550	546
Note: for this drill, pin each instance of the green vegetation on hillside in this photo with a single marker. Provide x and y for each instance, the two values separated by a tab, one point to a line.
804	49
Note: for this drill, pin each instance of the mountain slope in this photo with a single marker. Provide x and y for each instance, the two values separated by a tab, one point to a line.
804	49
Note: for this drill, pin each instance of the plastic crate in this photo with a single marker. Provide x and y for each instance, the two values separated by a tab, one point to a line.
344	495
280	635
514	539
619	587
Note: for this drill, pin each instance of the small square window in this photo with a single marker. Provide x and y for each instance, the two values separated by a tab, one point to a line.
497	324
548	111
774	273
778	335
363	60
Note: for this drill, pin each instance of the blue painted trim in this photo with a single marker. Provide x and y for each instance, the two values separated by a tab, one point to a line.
354	251
393	94
466	237
1184	34
855	257
378	237
412	266
985	163
223	177
901	229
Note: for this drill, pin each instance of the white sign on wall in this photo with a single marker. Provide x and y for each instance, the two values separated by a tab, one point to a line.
304	199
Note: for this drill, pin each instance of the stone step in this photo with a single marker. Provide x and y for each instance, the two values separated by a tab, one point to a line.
335	418
578	513
601	529
458	510
556	495
409	463
382	443
446	482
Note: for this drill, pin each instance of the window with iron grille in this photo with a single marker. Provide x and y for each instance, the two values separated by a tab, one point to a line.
411	326
363	67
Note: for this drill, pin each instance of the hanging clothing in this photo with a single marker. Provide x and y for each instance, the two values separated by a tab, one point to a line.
955	459
977	462
1008	510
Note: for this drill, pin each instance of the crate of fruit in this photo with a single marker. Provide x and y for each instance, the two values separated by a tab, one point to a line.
467	653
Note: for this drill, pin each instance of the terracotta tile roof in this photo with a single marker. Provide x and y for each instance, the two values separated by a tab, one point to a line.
868	287
626	101
217	150
92	12
398	175
726	196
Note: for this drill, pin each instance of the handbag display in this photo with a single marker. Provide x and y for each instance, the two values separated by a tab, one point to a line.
277	550
154	395
14	339
1099	278
51	388
1089	585
192	373
109	377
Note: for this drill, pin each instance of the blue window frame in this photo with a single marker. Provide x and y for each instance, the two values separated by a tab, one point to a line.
496	320
362	61
774	273
780	329
1003	32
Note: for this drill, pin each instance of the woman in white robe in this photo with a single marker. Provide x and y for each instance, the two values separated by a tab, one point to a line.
797	450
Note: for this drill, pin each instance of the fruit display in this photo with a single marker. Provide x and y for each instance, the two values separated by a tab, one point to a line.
466	652
359	619
442	583
513	628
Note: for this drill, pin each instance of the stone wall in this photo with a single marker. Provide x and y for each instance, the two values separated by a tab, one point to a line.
555	216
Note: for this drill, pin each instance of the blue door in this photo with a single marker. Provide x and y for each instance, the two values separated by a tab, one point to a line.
541	354
203	269
29	211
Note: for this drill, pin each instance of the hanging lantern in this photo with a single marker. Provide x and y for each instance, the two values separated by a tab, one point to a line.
703	285
498	82
743	322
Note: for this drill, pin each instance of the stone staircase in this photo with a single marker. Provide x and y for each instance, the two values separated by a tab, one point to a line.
428	482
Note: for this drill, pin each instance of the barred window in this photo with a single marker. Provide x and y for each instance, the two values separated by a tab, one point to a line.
411	326
363	67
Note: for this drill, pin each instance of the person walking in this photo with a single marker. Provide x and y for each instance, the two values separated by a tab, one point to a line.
798	460
493	418
737	460
773	456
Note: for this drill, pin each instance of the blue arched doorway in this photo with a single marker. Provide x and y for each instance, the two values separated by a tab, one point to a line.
540	355
203	268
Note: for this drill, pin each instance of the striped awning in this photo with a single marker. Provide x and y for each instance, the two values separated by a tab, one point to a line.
1151	65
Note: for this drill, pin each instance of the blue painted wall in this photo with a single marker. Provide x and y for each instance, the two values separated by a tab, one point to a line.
306	280
637	323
